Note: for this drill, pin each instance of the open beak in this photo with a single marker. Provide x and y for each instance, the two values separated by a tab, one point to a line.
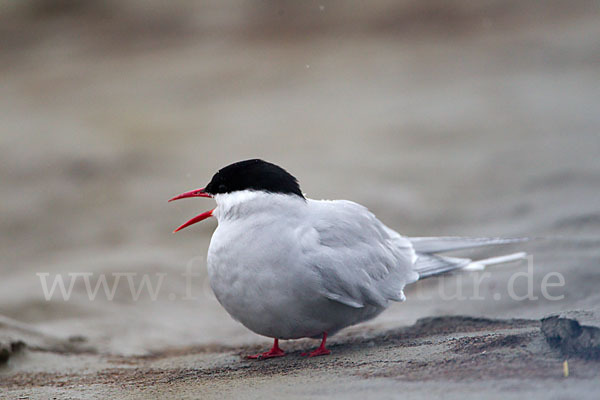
198	218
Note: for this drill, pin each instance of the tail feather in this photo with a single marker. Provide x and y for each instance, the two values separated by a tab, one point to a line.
429	264
481	264
429	245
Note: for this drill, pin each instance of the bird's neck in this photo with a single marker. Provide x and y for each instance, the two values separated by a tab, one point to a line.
246	203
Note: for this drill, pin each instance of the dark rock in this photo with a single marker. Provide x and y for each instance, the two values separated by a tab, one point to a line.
4	354
8	349
575	333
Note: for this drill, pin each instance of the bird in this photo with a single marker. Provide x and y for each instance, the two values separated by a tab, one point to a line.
288	267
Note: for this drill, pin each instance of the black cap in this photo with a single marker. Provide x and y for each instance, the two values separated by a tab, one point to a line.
253	174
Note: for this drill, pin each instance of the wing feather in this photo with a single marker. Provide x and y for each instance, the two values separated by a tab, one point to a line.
358	259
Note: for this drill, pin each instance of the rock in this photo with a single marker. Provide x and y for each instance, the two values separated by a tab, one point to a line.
4	353
575	333
8	349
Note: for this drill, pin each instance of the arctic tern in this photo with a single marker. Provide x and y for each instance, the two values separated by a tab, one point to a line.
290	267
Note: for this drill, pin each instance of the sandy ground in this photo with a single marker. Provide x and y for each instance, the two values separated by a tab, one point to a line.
442	119
453	357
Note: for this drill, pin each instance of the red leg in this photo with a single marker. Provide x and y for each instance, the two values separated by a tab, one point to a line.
274	352
321	351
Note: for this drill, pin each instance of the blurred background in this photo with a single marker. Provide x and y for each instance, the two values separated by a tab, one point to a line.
442	117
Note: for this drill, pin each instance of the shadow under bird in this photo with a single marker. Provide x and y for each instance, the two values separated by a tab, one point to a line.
290	267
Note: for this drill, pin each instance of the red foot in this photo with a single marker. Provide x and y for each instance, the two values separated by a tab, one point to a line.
267	354
321	351
317	352
274	352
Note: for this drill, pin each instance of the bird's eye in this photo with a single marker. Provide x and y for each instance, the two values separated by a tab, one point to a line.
222	188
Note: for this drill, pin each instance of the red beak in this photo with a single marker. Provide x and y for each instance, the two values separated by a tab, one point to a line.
192	193
198	218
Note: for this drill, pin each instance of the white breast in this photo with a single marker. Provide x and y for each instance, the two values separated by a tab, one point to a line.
252	262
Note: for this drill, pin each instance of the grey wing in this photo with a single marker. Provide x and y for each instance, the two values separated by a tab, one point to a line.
359	261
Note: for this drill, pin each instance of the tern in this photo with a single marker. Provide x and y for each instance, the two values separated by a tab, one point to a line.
289	267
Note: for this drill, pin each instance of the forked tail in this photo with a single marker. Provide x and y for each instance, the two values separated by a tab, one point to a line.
429	263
